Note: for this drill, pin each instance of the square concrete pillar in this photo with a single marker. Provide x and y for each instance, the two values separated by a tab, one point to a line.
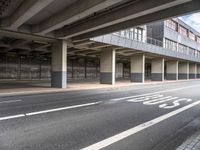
183	70
107	66
198	71
59	64
172	70
137	68
192	71
157	69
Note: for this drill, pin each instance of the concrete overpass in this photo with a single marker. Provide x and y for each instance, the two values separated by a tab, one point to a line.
71	18
33	25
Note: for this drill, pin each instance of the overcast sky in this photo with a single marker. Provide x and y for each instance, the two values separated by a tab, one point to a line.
192	20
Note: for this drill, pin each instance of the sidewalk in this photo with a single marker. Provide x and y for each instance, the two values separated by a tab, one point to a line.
193	143
9	88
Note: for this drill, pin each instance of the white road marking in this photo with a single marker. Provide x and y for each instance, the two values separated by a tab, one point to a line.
11	101
134	130
160	99
48	111
145	98
164	91
174	103
12	117
62	108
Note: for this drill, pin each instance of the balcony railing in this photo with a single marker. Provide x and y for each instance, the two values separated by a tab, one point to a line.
156	42
152	41
143	39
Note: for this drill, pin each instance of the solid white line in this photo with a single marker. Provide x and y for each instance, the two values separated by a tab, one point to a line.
164	91
62	108
12	117
134	130
11	101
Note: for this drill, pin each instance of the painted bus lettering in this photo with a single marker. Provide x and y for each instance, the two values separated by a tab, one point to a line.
165	102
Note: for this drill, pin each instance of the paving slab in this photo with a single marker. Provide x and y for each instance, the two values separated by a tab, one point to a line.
192	143
13	87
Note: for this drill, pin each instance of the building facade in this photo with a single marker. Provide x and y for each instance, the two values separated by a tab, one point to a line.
176	35
171	50
167	49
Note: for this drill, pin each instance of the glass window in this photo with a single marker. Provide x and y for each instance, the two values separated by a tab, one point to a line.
169	44
139	34
191	36
126	33
132	33
182	30
116	33
198	39
197	53
182	48
191	51
171	24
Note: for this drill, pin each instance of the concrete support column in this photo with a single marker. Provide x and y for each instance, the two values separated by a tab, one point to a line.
157	69
59	64
198	71
183	70
137	68
192	71
107	67
172	70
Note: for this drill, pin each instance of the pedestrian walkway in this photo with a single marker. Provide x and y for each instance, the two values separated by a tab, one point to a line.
14	87
192	143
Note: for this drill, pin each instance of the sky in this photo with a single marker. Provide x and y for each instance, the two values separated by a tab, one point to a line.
192	20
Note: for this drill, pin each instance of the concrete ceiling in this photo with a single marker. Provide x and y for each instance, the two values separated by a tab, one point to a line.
33	25
9	44
50	10
64	19
7	7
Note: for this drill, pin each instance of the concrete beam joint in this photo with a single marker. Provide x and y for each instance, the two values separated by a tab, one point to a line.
28	9
74	12
129	12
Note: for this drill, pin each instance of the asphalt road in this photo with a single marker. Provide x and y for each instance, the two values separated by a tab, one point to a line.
143	117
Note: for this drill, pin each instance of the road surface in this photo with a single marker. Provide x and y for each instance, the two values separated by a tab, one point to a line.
142	117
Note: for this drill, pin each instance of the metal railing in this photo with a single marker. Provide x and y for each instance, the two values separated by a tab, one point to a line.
143	39
150	40
156	42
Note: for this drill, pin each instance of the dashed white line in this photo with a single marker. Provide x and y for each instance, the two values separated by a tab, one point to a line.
134	130
48	111
62	108
12	117
11	101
